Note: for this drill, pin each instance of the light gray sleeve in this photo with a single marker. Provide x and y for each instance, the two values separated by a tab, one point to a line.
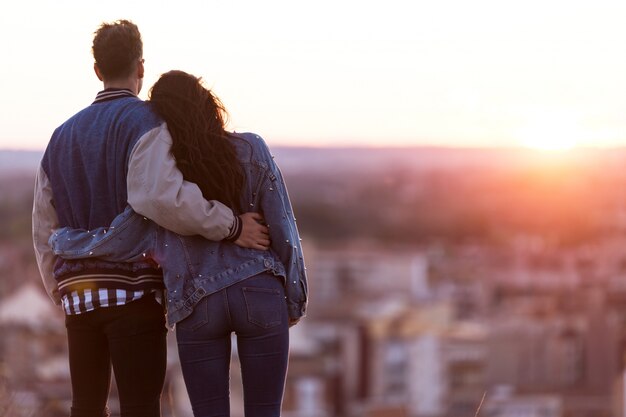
156	189
45	220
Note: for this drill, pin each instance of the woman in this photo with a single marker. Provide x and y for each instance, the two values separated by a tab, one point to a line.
216	288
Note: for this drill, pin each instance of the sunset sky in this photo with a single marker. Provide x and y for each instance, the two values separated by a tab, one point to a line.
542	73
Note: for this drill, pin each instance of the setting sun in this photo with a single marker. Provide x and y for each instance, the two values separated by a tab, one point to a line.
550	133
545	141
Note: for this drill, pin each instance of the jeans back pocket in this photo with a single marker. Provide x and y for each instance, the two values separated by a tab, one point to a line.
264	306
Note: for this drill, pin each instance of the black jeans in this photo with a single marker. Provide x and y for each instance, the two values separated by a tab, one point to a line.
255	309
131	338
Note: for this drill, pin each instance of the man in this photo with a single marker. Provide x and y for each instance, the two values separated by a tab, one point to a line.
113	153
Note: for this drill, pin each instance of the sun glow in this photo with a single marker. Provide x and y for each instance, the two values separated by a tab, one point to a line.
550	134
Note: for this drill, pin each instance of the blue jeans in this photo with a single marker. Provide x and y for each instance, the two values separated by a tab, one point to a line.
256	310
131	338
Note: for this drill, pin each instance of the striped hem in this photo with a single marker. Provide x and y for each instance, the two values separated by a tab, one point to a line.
109	280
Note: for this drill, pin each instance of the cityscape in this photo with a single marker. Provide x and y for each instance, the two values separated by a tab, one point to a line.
443	282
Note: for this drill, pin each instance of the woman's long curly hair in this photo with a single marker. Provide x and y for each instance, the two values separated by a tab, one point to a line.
201	146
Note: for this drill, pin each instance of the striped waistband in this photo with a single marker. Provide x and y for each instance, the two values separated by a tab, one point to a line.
126	280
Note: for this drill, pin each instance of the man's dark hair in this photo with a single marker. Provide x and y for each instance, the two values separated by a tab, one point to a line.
116	48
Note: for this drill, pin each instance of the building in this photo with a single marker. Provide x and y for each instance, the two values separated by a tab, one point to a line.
33	354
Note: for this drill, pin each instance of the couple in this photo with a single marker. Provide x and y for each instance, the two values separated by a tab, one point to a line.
141	206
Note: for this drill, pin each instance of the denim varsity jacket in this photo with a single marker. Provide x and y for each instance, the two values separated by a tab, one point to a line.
114	152
193	266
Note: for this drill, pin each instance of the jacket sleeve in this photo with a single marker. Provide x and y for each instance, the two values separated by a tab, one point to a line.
157	190
45	220
129	238
285	238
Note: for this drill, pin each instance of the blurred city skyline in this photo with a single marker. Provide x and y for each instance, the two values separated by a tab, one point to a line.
437	276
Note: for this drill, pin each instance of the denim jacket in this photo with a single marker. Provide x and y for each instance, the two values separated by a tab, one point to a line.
194	266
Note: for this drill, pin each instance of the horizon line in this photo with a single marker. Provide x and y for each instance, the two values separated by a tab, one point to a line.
368	146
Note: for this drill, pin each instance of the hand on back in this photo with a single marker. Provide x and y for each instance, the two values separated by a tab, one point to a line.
254	234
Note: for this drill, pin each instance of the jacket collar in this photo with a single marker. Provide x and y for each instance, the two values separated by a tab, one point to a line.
112	94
